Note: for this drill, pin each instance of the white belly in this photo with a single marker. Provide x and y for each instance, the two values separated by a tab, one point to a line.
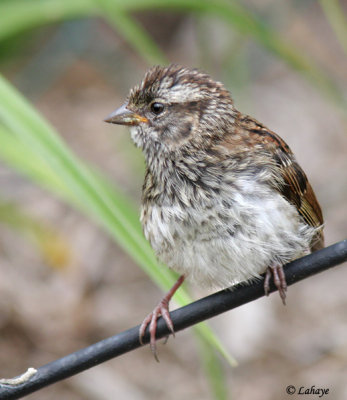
220	244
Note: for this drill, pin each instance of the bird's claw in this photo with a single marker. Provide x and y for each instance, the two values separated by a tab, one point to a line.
279	281
162	309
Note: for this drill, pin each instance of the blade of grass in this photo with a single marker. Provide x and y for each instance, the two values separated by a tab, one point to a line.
21	15
15	154
213	341
335	15
39	143
88	192
213	370
117	17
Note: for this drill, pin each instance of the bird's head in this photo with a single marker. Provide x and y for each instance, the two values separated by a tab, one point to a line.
174	107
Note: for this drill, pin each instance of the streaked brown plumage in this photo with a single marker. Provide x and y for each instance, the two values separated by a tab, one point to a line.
224	199
297	189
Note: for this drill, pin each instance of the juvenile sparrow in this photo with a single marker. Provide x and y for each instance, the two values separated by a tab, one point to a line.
224	199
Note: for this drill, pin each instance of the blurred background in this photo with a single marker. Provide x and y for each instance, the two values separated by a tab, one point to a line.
70	241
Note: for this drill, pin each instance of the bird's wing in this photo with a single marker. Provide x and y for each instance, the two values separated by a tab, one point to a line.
296	188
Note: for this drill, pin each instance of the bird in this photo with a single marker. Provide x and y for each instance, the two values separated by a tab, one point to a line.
224	199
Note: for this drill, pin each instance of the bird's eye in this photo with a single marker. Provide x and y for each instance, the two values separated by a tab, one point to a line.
157	108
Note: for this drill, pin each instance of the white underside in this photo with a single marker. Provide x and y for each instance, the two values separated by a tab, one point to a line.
216	245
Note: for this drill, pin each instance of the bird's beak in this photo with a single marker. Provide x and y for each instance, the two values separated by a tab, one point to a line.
124	116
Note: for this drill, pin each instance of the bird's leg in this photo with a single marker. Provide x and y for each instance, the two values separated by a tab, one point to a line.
279	280
162	309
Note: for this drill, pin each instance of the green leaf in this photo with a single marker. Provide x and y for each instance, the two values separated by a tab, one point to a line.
213	370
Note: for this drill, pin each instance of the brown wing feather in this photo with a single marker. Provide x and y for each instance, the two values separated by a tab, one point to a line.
299	192
296	189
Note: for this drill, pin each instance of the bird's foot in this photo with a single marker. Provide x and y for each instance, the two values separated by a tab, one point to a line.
162	309
279	281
